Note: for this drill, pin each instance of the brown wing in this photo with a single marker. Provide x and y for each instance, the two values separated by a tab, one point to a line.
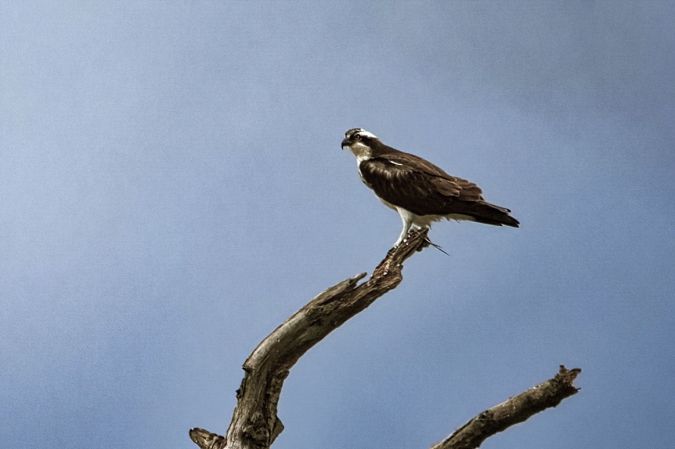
417	185
414	189
446	184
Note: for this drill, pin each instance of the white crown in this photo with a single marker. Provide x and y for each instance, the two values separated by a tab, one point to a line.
365	133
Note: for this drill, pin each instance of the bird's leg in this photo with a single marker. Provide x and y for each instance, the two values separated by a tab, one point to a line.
413	229
404	232
417	228
407	224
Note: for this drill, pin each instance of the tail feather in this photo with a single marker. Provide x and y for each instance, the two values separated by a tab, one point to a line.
492	214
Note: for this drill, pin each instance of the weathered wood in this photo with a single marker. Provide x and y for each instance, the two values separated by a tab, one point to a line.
512	411
255	424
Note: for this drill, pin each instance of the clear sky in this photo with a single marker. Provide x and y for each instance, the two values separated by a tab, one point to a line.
172	188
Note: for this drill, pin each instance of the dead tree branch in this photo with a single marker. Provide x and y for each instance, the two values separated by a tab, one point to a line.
512	411
255	424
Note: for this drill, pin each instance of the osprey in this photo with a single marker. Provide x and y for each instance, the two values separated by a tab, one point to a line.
418	190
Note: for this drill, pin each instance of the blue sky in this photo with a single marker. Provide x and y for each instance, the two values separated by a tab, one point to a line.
172	187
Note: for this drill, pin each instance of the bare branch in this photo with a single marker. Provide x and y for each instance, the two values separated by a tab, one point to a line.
512	411
255	424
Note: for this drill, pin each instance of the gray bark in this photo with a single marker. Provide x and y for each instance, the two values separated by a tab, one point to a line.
255	424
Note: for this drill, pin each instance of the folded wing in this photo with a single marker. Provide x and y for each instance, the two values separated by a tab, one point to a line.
422	188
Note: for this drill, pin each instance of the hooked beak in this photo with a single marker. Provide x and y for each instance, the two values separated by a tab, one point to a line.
345	143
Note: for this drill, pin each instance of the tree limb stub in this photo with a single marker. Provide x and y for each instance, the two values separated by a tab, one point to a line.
255	424
512	411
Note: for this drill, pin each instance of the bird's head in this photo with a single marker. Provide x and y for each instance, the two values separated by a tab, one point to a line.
359	141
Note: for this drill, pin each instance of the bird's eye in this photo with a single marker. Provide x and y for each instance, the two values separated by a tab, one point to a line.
357	136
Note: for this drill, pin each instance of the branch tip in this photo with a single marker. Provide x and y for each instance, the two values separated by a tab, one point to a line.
514	410
205	439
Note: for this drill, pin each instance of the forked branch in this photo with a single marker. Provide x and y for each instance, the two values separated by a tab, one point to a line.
255	424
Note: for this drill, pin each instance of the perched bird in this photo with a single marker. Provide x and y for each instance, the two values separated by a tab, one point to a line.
418	190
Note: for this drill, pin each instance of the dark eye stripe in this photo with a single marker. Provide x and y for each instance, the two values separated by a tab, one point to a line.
352	132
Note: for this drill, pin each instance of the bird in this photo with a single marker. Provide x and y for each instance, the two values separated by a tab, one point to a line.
421	192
